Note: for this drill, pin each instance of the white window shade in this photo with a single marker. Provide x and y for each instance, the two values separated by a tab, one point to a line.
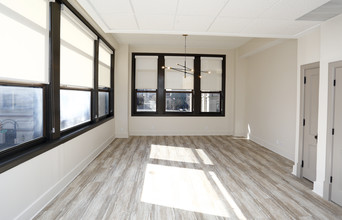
211	81
77	52
24	40
104	65
175	80
76	69
146	72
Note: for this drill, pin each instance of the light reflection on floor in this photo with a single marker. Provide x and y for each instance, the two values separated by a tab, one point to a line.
186	188
183	188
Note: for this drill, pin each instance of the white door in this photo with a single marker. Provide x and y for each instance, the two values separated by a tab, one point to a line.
336	187
311	121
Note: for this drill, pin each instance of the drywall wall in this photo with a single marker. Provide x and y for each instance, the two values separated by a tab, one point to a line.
187	125
308	51
270	97
28	187
121	91
330	51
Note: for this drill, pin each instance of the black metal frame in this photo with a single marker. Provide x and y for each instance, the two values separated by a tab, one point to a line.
161	92
52	135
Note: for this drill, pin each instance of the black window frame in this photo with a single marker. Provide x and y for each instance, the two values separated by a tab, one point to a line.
161	91
52	134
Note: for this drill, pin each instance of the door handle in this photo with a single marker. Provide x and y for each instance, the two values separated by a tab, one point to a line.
316	136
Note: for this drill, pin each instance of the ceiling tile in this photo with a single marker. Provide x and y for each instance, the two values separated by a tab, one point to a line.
246	8
292	9
155	22
120	21
193	23
164	7
285	28
112	6
229	25
200	7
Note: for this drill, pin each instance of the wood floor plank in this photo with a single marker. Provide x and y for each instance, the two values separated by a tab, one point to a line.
188	177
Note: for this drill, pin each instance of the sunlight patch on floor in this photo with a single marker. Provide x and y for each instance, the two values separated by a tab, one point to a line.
227	196
182	188
178	154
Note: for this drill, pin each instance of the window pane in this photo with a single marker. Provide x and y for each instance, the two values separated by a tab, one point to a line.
103	103
178	102
146	72
21	115
75	108
146	102
211	74
24	40
210	102
175	79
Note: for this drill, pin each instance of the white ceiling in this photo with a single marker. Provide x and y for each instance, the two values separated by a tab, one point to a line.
137	21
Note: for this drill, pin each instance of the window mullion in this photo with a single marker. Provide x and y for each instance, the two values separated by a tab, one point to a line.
161	86
94	98
53	101
196	104
111	95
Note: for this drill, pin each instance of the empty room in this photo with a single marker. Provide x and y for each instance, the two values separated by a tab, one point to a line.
170	109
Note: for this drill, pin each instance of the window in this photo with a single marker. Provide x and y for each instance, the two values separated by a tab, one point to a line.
146	83
56	77
104	79
211	84
161	91
21	115
75	108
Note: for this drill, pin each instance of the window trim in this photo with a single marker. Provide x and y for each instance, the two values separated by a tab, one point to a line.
161	92
52	138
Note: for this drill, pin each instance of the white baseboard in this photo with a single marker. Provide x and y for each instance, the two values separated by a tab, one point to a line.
50	194
272	147
178	132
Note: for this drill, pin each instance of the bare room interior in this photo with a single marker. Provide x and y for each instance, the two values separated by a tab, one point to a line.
170	109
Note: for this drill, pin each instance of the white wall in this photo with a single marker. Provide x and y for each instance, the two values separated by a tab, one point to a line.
28	187
330	51
121	91
308	51
187	125
270	96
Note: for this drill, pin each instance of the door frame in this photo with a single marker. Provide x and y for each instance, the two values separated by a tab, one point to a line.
330	125
303	69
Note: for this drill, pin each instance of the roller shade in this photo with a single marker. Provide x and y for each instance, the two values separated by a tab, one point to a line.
174	79
146	72
24	40
77	52
104	65
212	81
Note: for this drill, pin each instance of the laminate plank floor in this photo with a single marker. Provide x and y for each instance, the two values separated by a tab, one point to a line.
190	177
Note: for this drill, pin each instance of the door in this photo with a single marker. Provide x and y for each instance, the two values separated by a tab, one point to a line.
310	122
336	186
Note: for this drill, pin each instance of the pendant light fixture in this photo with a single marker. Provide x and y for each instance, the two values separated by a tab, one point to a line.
183	68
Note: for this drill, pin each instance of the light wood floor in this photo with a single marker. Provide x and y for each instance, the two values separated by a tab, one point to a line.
210	177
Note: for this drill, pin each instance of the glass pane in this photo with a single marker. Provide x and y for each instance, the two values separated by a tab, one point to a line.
104	66
175	79
146	102
178	102
211	73
75	108
146	72
21	115
103	103
210	102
